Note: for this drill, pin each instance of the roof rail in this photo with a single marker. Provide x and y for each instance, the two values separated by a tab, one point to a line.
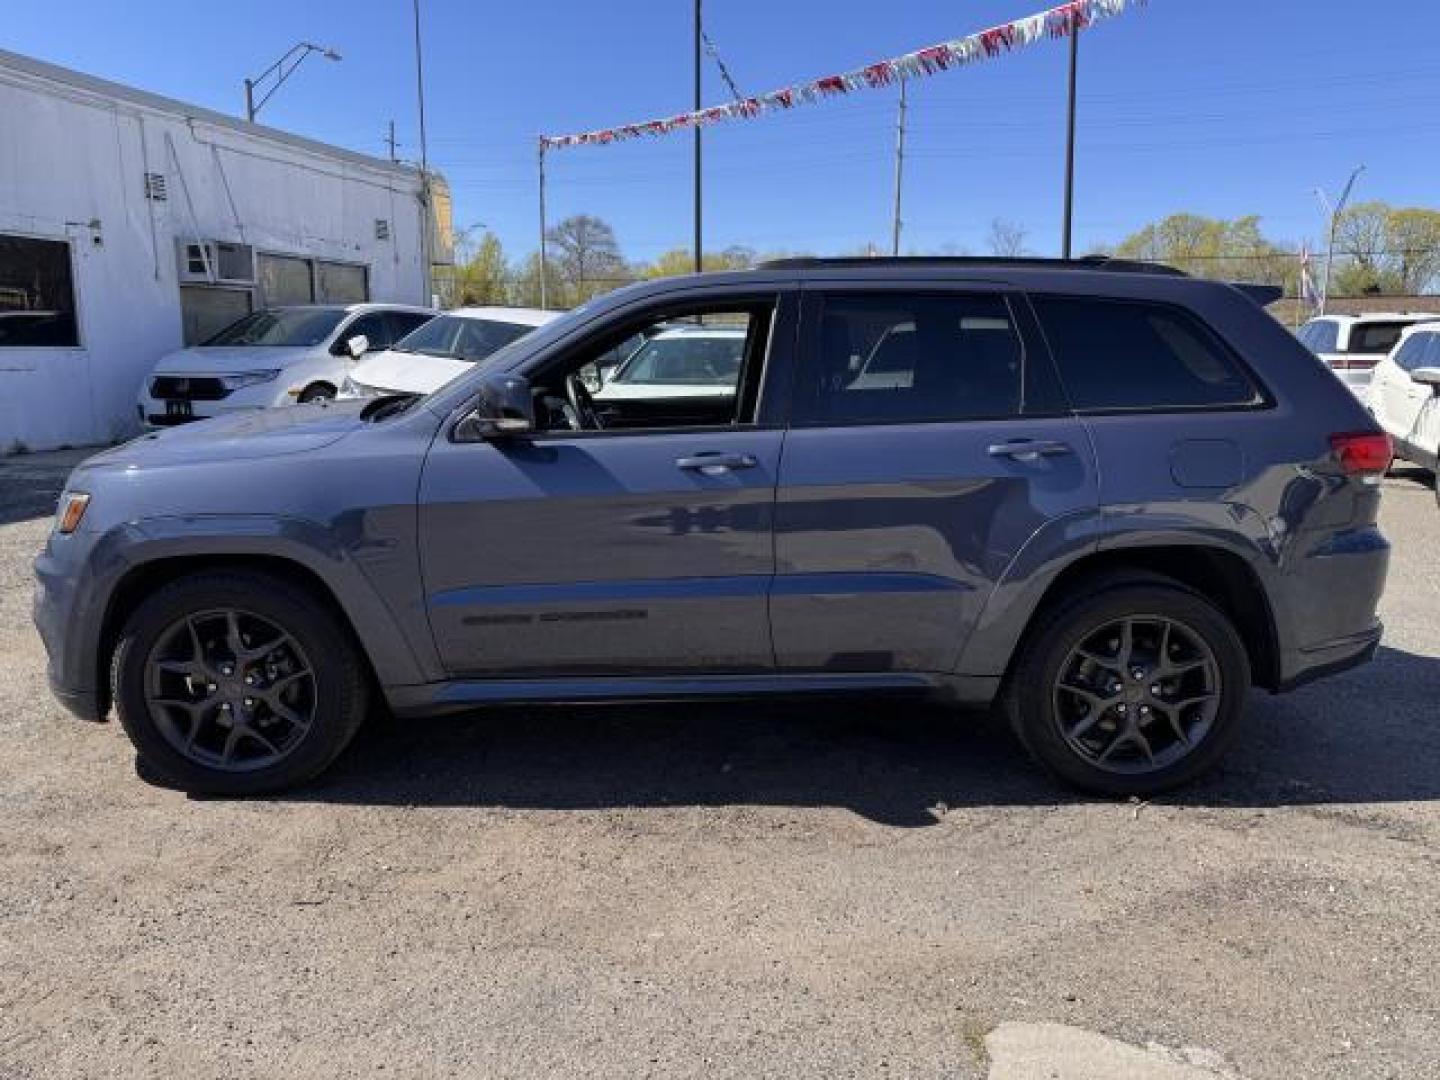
1088	262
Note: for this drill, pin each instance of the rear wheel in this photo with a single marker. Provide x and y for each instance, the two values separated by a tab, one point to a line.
1131	690
236	683
317	392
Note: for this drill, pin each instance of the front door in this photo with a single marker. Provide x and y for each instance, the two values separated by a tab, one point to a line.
929	443
632	535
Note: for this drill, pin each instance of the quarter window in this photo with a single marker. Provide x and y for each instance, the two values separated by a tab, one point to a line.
903	358
37	294
1115	354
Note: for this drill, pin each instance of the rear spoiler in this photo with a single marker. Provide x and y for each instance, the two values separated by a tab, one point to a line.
1264	295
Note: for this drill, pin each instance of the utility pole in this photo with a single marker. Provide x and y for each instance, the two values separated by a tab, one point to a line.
544	261
1335	212
426	239
390	141
699	262
1067	228
899	170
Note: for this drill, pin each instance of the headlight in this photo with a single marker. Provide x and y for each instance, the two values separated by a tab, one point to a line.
351	389
248	378
71	509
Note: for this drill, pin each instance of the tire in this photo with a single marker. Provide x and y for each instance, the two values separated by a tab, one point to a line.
317	392
1070	651
180	707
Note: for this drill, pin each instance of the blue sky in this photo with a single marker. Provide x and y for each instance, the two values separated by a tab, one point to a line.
1222	107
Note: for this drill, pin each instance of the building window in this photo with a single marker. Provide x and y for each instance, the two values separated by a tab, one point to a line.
290	279
285	279
206	310
37	294
340	283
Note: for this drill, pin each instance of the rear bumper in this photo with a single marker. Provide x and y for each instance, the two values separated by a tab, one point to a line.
1326	604
1333	657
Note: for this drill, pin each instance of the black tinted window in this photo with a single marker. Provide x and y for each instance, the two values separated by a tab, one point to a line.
895	358
1375	338
1123	355
37	297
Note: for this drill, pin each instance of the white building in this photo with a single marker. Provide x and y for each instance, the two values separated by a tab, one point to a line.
131	224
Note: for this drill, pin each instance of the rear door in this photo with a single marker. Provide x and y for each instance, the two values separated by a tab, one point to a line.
928	443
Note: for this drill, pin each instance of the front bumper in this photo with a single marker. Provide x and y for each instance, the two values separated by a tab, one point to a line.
65	612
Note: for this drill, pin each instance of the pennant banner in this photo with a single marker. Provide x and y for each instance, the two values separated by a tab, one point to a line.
1055	23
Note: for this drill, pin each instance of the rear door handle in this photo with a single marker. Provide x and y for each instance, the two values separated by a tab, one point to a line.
1030	449
714	463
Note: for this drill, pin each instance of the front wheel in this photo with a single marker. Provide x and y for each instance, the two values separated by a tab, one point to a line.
236	683
317	392
1131	690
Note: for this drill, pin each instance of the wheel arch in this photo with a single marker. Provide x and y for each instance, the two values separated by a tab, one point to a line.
1222	576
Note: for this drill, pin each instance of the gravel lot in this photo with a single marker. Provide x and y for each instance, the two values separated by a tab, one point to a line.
728	891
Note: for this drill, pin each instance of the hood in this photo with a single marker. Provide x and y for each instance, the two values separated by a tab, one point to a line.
292	429
408	373
227	359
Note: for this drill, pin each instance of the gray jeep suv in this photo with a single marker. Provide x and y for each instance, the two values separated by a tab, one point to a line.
1107	498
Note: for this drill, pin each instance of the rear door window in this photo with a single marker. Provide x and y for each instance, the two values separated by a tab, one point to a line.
1130	355
891	358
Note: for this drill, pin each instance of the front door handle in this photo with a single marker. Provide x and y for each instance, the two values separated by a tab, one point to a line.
714	463
1030	449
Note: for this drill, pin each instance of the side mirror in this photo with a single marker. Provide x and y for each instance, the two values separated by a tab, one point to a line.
506	408
357	346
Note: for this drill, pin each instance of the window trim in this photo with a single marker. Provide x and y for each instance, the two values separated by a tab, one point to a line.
74	261
815	298
784	303
1265	399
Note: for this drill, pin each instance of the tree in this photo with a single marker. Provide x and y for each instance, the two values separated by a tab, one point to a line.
681	260
1228	250
525	289
1007	238
1380	248
585	254
483	278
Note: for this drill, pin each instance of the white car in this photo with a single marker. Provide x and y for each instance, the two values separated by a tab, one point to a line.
1405	395
687	362
443	348
1351	345
276	356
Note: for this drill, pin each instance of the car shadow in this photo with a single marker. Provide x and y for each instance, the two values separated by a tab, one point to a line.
1364	737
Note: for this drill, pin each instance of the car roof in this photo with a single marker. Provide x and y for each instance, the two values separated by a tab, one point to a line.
366	306
1378	316
522	316
1424	326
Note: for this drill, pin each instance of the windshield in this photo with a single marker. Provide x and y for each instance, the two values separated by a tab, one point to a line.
690	360
280	326
461	338
1375	337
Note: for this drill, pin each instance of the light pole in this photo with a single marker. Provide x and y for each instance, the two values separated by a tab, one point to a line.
699	34
1068	226
426	239
294	58
1335	212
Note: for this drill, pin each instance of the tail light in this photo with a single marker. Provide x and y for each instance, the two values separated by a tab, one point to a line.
1365	454
1357	361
